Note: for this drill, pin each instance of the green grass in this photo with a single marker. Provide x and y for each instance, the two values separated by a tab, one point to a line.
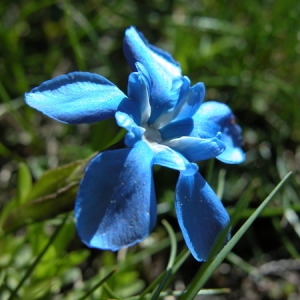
246	53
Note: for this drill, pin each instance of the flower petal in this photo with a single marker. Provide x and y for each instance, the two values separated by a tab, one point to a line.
188	101
177	129
134	132
167	157
138	91
115	206
78	97
163	70
201	214
213	117
165	112
167	102
137	49
188	106
197	149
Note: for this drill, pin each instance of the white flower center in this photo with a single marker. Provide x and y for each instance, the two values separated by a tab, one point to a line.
152	135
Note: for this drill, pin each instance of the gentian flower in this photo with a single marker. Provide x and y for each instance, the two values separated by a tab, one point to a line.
167	124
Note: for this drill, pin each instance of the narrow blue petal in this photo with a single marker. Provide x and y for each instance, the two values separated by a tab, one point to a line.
138	91
213	117
78	97
115	205
190	99
167	157
190	104
134	132
137	49
201	214
197	149
163	70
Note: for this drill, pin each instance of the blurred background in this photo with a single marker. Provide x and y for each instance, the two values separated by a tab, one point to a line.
247	55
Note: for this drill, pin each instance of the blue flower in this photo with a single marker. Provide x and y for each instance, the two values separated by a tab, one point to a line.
167	124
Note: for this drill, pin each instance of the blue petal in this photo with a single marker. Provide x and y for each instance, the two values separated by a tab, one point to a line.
164	72
167	102
138	91
166	112
189	102
137	49
78	97
213	117
115	205
167	157
188	106
201	215
134	132
197	149
177	129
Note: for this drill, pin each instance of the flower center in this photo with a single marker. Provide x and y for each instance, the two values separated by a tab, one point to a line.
152	135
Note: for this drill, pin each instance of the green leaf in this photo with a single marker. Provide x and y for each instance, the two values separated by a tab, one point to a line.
24	183
54	193
42	208
55	179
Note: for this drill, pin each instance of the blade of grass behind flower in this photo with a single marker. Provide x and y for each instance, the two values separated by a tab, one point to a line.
210	266
180	259
289	245
221	183
73	37
38	259
168	272
96	286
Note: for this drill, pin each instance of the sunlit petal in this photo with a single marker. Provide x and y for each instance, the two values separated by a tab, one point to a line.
78	97
197	149
165	156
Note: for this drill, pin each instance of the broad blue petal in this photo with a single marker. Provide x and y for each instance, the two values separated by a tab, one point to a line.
168	111
115	205
167	157
177	129
78	97
213	117
197	149
201	214
164	72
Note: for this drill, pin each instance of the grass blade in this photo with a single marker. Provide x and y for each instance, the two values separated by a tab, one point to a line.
168	272
38	259
210	266
103	280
